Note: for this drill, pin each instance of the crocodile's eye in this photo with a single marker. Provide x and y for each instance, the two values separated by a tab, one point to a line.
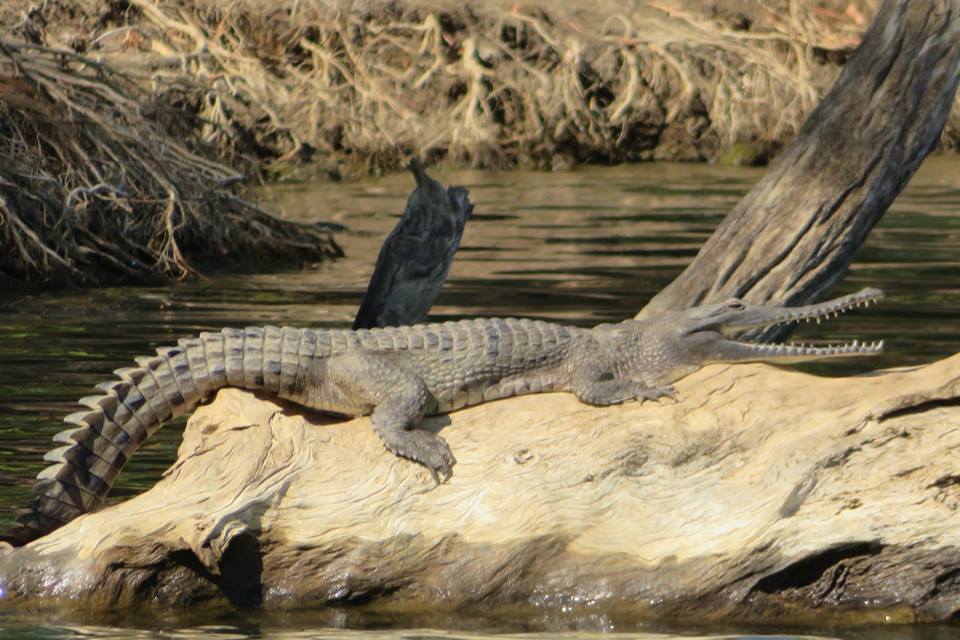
735	305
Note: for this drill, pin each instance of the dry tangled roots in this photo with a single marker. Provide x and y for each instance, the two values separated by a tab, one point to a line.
94	189
366	85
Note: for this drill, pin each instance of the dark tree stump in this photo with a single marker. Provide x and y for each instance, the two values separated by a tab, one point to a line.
416	256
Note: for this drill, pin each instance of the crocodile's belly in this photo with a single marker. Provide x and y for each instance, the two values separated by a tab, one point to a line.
458	395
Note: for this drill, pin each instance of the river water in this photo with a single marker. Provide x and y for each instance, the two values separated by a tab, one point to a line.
580	247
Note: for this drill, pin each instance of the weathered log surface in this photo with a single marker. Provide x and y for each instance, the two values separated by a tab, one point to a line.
792	238
762	494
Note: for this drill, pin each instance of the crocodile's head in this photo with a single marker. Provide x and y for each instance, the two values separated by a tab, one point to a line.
709	330
680	342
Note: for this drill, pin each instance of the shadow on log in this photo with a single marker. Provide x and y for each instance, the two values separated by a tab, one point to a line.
748	499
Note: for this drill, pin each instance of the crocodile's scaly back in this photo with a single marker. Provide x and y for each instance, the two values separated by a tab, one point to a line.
458	360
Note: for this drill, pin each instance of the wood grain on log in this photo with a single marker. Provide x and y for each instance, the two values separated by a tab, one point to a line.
792	237
764	494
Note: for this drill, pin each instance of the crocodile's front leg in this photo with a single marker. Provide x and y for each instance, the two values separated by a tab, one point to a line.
394	395
394	420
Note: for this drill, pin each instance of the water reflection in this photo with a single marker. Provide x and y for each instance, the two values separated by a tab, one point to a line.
228	632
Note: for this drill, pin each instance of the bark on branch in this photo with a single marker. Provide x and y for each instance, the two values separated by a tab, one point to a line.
792	238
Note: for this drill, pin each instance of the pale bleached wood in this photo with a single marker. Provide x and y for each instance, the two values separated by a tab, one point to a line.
747	498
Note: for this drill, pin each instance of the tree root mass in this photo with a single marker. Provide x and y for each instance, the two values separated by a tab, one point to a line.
93	189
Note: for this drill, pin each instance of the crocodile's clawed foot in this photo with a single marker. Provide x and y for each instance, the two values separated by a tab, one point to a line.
655	393
431	451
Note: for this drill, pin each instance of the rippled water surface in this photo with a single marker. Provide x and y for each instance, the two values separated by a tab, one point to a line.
229	632
579	247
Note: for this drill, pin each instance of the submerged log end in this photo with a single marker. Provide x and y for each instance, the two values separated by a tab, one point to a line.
743	500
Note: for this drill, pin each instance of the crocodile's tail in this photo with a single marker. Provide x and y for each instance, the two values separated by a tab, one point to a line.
114	424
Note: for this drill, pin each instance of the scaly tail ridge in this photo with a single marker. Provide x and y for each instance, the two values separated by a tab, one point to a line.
129	410
113	425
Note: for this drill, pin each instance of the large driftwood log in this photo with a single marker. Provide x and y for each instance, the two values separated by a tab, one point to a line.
792	238
764	494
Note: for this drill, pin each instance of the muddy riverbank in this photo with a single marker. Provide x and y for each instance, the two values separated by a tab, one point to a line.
129	126
336	88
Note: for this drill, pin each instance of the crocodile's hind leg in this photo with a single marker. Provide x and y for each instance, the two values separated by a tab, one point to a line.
397	398
595	386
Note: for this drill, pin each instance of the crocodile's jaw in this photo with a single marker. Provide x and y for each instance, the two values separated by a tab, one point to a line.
726	350
711	329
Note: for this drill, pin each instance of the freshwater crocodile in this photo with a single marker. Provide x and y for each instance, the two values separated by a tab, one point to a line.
397	375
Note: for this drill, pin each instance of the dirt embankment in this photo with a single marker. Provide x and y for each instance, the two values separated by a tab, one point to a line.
102	180
362	86
126	123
